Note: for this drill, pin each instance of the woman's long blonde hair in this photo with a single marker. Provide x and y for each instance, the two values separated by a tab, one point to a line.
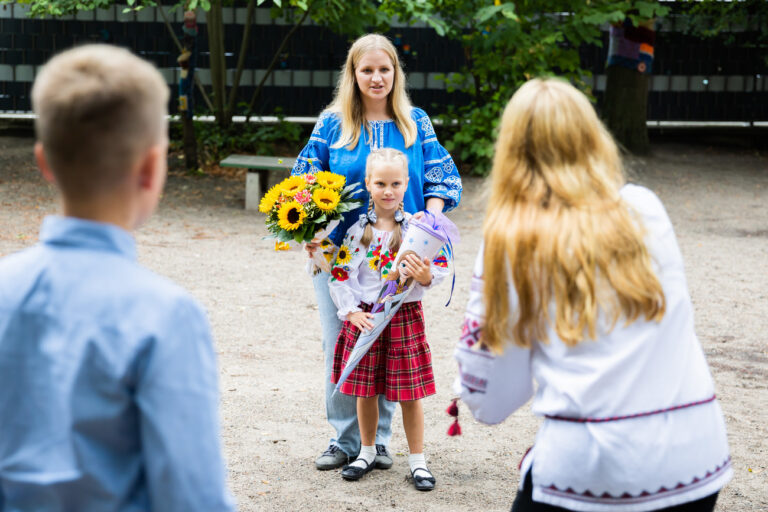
557	226
349	105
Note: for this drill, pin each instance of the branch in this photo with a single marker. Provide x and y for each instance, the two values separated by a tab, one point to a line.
181	50
274	61
241	56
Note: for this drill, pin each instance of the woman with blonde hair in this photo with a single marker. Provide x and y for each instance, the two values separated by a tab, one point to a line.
580	286
370	110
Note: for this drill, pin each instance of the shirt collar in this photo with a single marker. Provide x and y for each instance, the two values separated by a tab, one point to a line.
87	234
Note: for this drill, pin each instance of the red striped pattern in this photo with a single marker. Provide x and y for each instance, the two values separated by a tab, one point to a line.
398	365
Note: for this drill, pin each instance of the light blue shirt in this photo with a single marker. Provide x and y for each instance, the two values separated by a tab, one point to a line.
108	381
431	170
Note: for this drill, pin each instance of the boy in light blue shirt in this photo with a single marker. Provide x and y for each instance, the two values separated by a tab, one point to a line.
108	381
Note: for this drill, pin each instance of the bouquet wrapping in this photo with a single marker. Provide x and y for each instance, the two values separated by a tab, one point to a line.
307	208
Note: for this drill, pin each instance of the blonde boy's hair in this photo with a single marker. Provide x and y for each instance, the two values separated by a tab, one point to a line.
99	109
349	105
558	227
393	157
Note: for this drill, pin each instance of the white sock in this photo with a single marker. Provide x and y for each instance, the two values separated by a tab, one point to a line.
367	454
417	462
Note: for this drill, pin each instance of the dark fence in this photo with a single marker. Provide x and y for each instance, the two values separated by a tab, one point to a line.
693	79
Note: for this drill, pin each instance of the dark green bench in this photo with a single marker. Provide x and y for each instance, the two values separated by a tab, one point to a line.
263	172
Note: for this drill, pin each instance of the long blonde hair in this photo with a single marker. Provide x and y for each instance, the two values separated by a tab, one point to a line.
377	157
349	105
557	225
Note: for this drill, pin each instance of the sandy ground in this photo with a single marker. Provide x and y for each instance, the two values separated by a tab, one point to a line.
266	327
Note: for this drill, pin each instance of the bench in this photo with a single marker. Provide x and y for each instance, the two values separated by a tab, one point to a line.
263	172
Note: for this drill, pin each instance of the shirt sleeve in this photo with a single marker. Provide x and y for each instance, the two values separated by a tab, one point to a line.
493	386
177	397
441	177
344	285
315	155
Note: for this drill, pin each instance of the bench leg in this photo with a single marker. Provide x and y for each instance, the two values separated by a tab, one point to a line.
253	190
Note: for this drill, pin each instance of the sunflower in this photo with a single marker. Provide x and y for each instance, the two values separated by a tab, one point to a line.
268	201
373	263
343	257
330	180
291	216
290	186
326	199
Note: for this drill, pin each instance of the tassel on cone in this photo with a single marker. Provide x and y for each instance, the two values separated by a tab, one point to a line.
455	428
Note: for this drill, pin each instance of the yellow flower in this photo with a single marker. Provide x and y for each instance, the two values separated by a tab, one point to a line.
328	257
326	199
290	186
344	256
282	246
291	216
330	180
268	201
373	263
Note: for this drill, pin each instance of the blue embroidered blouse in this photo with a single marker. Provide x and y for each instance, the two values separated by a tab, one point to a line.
431	170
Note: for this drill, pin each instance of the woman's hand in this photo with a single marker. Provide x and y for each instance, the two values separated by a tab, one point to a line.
418	269
361	320
311	247
434	205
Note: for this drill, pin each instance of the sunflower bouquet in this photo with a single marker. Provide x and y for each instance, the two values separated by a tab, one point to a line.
300	207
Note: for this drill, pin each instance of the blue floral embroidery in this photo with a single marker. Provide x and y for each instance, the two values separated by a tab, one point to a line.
426	126
434	175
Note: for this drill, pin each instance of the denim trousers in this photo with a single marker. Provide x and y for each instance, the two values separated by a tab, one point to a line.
340	409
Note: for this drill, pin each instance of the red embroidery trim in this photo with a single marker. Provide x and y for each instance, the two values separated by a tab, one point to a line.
630	416
644	496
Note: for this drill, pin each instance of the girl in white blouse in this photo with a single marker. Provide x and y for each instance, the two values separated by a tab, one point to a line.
399	364
580	286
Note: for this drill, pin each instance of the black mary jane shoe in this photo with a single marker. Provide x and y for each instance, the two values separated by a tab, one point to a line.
353	473
423	483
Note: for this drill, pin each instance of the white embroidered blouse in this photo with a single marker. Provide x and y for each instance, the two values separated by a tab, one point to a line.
358	272
631	421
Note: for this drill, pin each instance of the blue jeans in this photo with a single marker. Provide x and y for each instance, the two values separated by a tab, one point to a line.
341	409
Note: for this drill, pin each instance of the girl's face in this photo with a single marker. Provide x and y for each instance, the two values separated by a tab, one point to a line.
375	74
387	183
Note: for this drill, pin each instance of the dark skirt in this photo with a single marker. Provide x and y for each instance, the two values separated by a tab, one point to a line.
398	365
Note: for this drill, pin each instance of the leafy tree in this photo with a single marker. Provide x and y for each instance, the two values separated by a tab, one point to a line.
506	44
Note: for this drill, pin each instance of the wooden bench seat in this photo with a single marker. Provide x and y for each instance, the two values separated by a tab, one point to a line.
263	172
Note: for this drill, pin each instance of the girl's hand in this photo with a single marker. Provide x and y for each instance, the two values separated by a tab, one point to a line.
418	269
361	320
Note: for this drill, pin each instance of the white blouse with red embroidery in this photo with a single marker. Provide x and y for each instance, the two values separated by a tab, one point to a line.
358	272
631	420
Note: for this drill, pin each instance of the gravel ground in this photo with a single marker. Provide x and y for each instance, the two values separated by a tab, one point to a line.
264	319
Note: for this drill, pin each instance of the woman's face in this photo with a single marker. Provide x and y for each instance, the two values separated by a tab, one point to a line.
375	74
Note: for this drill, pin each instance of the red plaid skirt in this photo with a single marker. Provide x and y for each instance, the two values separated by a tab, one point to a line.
398	365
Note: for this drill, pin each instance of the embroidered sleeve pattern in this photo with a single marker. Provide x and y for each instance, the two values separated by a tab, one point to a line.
492	386
441	177
314	157
343	284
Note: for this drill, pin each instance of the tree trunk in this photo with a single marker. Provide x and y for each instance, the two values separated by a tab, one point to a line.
241	57
218	64
625	108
